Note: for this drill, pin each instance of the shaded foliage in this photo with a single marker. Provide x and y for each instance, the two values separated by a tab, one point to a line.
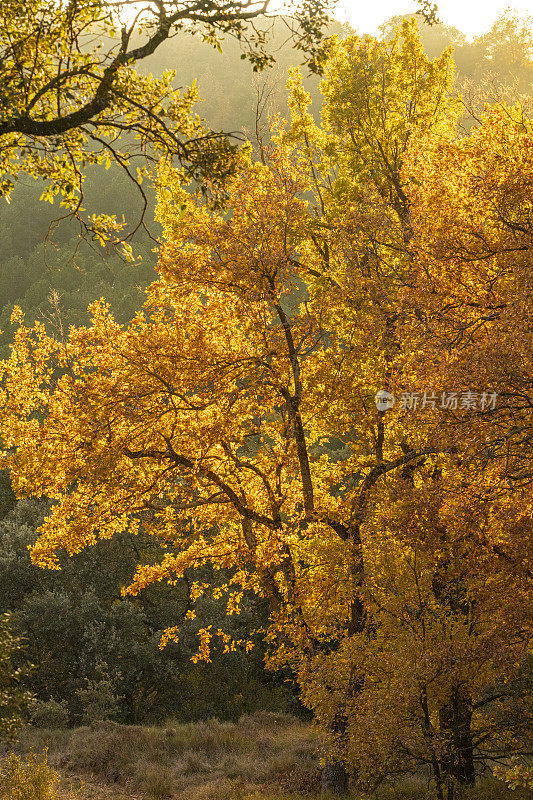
80	634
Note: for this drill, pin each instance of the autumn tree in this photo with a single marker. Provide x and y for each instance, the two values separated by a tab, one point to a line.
234	419
434	574
507	50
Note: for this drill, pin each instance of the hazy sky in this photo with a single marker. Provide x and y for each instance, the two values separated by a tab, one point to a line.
470	16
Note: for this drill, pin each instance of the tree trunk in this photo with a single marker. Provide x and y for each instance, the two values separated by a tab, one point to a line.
458	762
334	778
335	774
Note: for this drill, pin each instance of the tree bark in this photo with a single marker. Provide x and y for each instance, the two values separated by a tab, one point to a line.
455	720
335	773
335	778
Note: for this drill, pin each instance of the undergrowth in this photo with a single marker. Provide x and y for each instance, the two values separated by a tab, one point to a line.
265	756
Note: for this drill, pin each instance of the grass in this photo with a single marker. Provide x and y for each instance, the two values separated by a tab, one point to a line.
260	755
416	789
264	756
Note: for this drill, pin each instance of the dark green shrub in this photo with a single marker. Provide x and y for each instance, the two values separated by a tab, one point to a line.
50	713
14	699
99	699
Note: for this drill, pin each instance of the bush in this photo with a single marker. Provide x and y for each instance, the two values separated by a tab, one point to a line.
156	782
32	779
14	699
99	700
50	714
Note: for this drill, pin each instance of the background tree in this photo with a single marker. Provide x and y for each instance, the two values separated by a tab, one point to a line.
14	697
70	89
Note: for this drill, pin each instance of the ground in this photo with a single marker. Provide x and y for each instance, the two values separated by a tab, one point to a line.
262	757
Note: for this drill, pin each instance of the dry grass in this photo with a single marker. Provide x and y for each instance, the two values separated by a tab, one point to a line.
416	789
262	757
258	756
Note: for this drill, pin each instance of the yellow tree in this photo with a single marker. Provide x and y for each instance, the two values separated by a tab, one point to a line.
439	231
234	420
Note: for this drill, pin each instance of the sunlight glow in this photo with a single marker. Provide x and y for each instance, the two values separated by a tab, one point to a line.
473	17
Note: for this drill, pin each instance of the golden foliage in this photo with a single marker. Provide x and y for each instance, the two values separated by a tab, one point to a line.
234	419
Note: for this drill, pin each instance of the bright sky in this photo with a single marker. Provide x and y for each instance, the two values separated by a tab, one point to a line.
470	16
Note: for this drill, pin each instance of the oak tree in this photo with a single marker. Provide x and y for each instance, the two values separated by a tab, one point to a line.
234	419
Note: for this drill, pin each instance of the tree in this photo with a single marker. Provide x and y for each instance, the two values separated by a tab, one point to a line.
446	302
234	419
70	90
435	37
14	698
506	51
502	57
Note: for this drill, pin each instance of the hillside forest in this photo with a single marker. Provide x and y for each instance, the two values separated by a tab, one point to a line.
266	407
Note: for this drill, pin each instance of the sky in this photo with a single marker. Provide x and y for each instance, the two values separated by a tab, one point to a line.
472	17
